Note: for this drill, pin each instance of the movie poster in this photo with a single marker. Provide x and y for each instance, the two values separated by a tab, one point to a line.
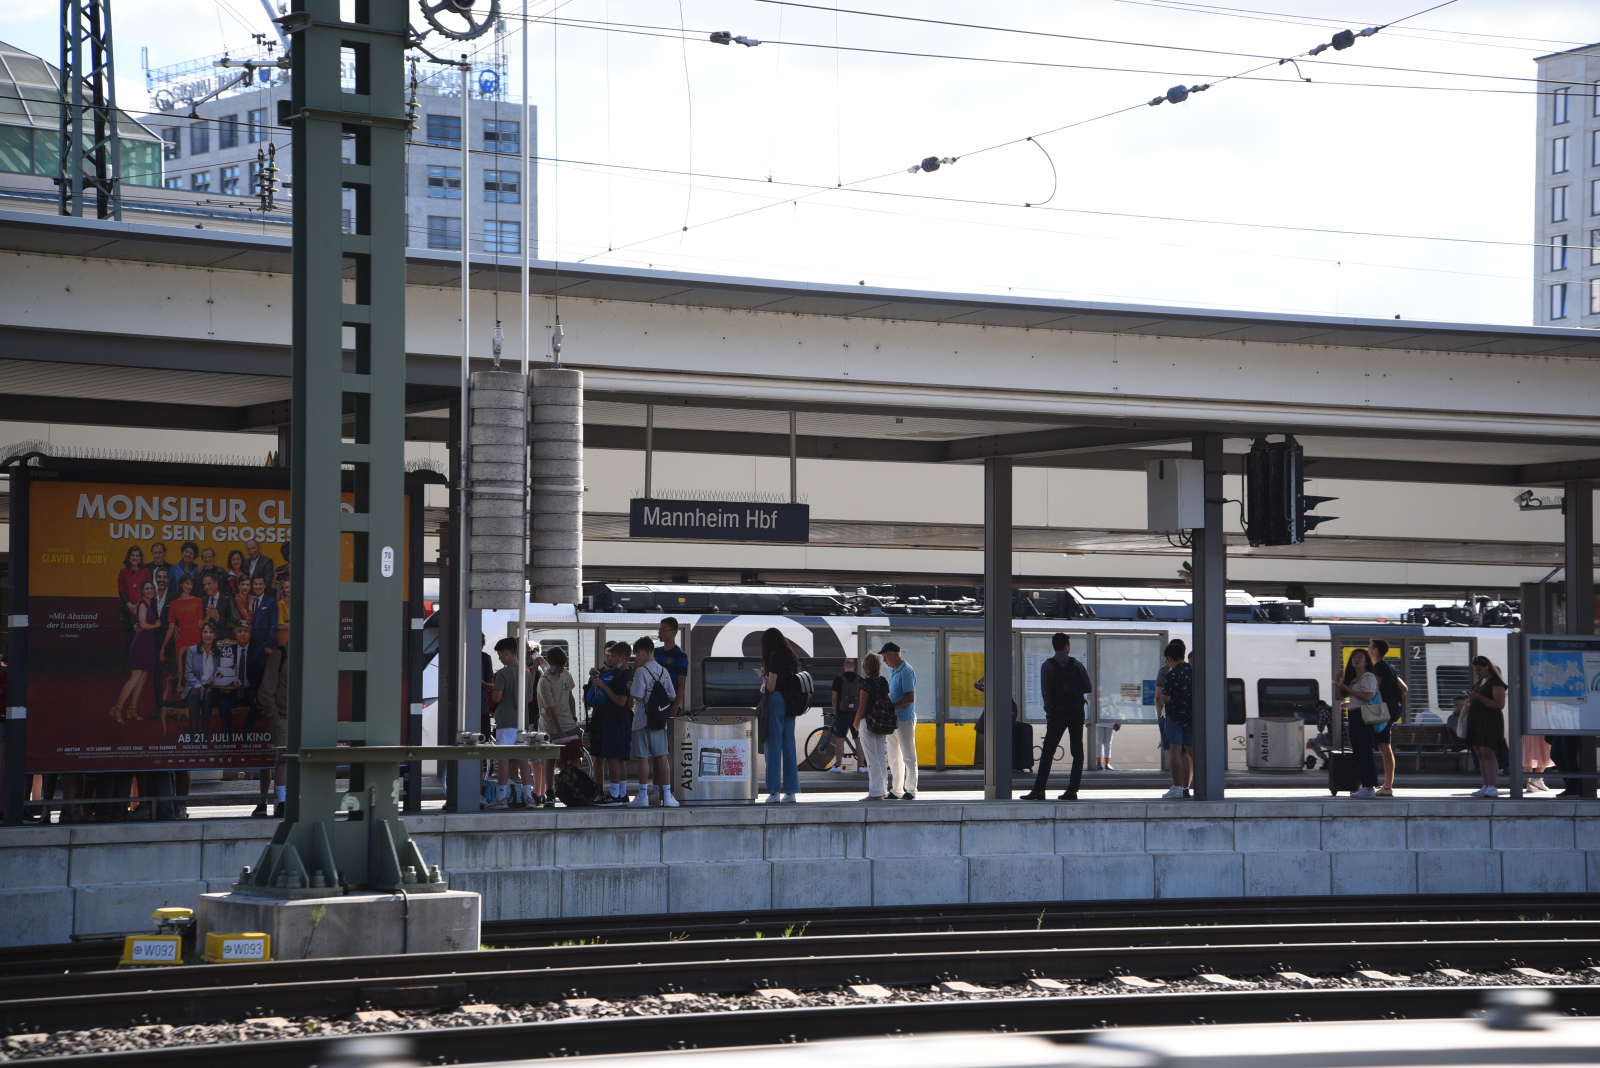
135	591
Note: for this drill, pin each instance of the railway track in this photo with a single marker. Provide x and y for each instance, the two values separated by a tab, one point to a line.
103	954
1057	1017
613	971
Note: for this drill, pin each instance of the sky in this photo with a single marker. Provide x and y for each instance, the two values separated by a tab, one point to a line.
788	160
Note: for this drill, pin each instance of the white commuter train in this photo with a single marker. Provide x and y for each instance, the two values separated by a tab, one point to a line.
1275	669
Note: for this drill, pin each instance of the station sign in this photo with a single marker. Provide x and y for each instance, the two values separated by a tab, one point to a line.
652	517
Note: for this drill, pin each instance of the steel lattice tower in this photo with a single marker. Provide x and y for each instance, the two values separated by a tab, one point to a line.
90	149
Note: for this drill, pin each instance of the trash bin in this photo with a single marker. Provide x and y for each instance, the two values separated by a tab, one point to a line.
1273	744
714	758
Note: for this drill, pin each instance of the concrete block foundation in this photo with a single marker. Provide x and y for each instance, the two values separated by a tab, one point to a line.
347	926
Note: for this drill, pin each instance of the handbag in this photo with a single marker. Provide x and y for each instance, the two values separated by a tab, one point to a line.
1374	712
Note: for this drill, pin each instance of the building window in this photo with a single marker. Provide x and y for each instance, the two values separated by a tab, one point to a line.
444	182
1558	252
258	125
1561	111
444	131
347	223
1594	248
1596	97
501	186
199	138
228	132
501	136
1558	155
444	231
1594	197
1558	204
174	183
201	182
1594	296
230	181
172	146
1558	299
502	236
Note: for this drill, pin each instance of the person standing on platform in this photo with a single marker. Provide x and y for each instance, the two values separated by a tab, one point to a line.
784	700
504	698
649	744
1175	717
1063	685
903	744
1392	689
874	747
614	720
675	660
846	703
1358	687
558	713
1486	722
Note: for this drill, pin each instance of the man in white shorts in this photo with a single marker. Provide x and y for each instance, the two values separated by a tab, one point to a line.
649	746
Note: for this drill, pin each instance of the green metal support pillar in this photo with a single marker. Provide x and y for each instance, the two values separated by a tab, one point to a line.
346	608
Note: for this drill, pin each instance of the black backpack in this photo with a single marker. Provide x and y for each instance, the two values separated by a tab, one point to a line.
849	696
574	788
656	705
880	717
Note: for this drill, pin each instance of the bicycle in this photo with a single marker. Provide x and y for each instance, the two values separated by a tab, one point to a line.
819	747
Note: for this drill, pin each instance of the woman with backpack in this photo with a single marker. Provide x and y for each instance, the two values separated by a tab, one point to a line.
784	701
874	713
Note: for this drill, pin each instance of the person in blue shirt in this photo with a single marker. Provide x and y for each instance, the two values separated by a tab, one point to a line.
674	659
903	742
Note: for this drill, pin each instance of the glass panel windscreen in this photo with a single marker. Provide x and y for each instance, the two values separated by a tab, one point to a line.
1036	649
966	668
1125	679
1436	672
578	645
920	648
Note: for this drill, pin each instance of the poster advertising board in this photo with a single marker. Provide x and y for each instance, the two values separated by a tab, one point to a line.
139	589
1563	685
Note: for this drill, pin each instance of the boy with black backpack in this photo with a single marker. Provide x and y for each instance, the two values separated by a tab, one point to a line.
653	697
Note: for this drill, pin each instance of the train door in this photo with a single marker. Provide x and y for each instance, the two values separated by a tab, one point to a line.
923	649
1437	669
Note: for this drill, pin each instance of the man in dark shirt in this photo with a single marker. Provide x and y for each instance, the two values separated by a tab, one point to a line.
616	720
846	702
1175	707
1063	685
675	660
1392	690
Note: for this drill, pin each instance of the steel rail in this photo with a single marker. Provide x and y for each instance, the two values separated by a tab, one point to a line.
880	919
1058	1017
444	989
868	946
103	954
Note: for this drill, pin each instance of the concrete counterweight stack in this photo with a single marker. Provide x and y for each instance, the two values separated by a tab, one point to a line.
556	507
497	477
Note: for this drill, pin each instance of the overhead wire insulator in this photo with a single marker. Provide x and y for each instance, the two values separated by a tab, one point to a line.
1178	94
932	163
722	37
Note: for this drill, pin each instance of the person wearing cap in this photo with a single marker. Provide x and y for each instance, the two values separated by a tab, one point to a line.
903	742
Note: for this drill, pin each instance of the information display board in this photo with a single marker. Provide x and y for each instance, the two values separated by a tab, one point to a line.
1561	680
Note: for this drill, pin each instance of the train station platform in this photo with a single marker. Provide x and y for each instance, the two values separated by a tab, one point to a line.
57	882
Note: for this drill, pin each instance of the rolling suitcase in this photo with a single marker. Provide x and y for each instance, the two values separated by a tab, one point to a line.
1343	778
1021	746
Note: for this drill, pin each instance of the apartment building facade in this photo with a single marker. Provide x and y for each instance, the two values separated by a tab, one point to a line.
1566	265
226	148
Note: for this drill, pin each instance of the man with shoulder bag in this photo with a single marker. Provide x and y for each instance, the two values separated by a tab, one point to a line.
653	698
846	700
1064	684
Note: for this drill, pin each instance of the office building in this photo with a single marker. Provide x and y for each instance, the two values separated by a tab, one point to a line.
1566	265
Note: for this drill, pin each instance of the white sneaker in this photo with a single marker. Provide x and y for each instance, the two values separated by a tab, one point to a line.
496	805
788	799
1365	793
1108	767
669	799
640	800
1488	791
837	769
1174	793
773	799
